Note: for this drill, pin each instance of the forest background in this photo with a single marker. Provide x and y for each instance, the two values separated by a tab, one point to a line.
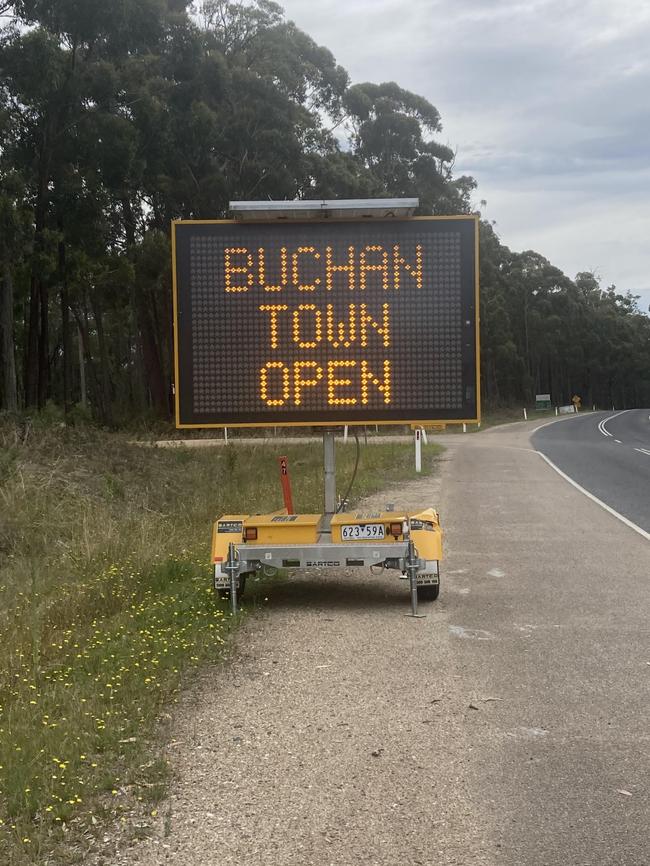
118	116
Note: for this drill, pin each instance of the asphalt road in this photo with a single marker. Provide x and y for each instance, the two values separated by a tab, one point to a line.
607	453
507	728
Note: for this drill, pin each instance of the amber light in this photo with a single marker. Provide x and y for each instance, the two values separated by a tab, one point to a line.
250	533
396	529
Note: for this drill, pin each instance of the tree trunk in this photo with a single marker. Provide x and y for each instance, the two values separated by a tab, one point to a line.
31	355
88	366
105	374
7	357
37	342
82	370
154	376
44	348
65	322
67	348
152	365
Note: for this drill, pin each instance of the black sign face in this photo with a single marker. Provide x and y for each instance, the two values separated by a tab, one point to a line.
326	323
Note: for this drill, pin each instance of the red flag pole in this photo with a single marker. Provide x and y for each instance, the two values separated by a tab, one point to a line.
286	484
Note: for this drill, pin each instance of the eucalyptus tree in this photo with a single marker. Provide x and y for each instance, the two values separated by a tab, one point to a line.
118	116
71	141
393	134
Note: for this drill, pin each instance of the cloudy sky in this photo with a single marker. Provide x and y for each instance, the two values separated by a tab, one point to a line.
547	103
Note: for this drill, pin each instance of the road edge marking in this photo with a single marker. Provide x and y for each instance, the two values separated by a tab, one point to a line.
595	499
602	426
557	420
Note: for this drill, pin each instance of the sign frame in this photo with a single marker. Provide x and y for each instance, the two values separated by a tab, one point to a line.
326	423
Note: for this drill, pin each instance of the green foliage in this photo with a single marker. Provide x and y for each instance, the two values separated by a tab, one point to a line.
544	333
106	608
118	116
390	129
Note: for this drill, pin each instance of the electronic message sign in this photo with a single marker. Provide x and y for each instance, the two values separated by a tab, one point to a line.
312	323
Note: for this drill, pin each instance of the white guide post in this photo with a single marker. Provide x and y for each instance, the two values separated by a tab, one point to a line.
329	466
418	450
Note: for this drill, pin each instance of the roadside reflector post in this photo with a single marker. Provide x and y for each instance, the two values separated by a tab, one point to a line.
329	468
464	428
345	434
556	411
225	434
285	480
525	414
418	450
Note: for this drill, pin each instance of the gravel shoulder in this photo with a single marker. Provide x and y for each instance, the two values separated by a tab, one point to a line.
494	731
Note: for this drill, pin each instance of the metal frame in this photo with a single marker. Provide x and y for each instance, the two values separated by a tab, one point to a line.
401	556
305	216
352	208
398	556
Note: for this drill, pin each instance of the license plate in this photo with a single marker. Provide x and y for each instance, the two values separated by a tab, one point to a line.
362	531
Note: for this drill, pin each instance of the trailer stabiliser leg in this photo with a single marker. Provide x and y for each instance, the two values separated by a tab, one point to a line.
412	571
232	569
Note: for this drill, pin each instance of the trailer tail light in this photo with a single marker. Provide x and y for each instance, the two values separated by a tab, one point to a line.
396	529
250	533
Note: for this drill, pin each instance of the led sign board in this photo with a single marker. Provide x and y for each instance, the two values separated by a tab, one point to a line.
326	322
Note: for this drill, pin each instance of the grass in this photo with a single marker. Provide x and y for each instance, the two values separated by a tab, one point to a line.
106	608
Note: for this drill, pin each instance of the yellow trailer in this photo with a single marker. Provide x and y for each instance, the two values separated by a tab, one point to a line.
409	543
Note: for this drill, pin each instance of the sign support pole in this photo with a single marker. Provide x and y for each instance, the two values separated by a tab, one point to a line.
232	569
412	572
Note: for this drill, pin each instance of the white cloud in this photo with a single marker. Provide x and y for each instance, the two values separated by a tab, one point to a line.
545	101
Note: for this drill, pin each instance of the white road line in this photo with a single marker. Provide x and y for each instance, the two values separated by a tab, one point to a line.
601	427
643	451
603	424
595	499
619	441
556	421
